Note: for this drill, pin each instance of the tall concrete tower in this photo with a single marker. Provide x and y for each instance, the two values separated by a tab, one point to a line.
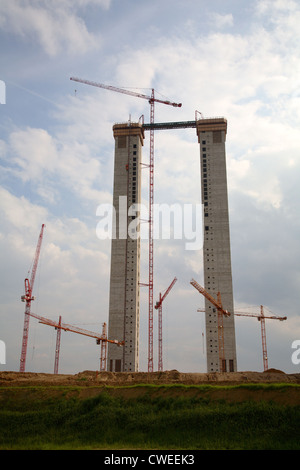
124	302
216	247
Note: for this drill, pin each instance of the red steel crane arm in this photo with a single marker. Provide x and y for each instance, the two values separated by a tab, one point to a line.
125	92
254	315
74	329
258	315
158	304
29	284
36	258
221	312
209	297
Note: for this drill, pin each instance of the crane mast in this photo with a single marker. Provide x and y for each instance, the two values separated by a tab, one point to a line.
151	99
100	338
158	307
221	313
57	347
103	353
261	317
28	298
151	248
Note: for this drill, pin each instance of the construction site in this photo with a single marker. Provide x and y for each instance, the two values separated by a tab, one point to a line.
119	407
119	338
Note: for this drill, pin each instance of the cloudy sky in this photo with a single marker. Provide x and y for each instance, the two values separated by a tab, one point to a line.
234	58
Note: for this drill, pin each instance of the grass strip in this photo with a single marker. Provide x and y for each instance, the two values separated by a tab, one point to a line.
30	420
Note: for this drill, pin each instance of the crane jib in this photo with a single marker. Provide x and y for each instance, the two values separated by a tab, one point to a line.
126	92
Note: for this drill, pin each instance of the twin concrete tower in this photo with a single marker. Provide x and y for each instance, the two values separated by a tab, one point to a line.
124	300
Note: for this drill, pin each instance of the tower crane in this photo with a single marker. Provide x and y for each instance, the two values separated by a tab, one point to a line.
103	343
158	306
28	298
57	347
151	100
261	318
100	338
221	312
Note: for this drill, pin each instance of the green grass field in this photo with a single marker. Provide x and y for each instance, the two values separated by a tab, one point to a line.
58	418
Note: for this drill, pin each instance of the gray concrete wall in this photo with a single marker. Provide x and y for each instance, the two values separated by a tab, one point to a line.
216	246
124	308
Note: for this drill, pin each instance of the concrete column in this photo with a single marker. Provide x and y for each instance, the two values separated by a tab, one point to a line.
124	301
216	247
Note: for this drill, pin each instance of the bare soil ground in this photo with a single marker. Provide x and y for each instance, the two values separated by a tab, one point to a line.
92	378
90	383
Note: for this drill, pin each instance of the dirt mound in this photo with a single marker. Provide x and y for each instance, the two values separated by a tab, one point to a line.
10	378
174	376
274	371
33	386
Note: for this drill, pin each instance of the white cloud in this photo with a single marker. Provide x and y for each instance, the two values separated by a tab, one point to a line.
68	243
55	25
34	152
20	212
251	79
105	4
274	6
51	165
221	21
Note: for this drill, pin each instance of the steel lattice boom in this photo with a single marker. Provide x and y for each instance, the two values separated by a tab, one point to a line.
100	338
158	307
221	313
28	298
261	317
126	92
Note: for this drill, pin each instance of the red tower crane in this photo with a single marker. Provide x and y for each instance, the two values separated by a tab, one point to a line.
158	307
28	298
100	338
151	99
261	318
221	313
103	343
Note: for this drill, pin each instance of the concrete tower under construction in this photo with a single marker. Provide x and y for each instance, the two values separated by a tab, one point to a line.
124	301
216	247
